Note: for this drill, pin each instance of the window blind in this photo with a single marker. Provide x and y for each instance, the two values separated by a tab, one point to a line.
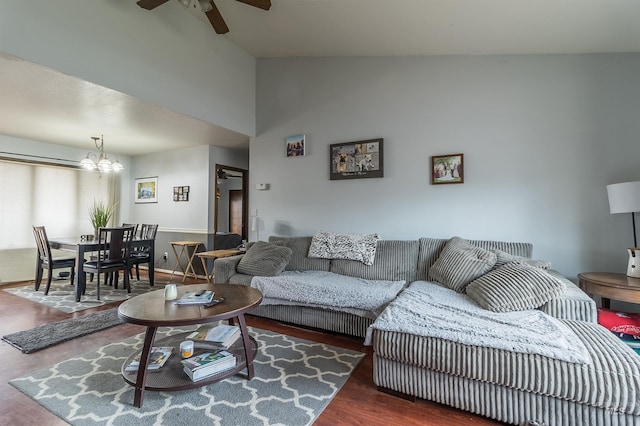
56	197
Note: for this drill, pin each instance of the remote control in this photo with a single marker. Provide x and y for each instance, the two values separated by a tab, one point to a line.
214	302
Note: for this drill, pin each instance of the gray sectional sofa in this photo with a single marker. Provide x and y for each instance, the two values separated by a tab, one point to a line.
593	379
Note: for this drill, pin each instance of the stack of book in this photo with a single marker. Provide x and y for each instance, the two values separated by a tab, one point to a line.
204	365
196	298
221	336
159	356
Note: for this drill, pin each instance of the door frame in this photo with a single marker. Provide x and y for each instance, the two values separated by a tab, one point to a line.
245	198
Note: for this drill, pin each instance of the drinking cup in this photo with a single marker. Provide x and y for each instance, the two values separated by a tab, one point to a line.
170	292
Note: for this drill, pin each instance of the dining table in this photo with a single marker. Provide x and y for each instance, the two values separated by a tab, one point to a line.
82	245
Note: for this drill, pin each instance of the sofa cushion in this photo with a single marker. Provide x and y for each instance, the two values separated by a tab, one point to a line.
264	259
430	249
514	287
502	258
460	263
299	259
329	245
395	260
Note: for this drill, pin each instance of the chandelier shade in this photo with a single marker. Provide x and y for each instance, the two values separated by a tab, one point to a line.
100	160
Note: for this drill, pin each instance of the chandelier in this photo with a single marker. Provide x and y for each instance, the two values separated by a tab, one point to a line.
100	160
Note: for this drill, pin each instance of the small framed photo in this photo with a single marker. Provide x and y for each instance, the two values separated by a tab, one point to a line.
356	160
447	169
180	193
295	146
146	190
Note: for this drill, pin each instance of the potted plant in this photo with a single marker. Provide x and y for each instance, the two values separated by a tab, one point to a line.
99	214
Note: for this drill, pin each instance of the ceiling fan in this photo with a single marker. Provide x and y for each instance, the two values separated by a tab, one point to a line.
209	8
224	175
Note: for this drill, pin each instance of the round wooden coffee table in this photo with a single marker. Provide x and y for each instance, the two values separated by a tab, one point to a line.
610	285
152	311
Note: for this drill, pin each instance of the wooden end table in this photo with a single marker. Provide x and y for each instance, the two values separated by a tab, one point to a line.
184	252
152	311
214	254
610	285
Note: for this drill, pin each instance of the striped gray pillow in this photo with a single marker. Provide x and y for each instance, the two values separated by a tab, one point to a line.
264	259
460	262
503	258
515	286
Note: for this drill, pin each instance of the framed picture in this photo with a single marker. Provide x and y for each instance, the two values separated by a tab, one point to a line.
180	193
447	169
146	190
356	160
295	146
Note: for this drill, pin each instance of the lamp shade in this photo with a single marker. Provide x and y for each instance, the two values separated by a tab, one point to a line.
624	197
254	223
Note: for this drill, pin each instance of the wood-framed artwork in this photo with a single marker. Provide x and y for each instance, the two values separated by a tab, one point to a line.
146	189
296	146
356	160
447	169
180	193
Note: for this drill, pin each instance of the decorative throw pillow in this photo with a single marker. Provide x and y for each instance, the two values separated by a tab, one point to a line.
264	259
621	323
329	245
503	258
515	287
459	263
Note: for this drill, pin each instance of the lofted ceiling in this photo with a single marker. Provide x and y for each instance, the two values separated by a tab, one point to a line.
45	105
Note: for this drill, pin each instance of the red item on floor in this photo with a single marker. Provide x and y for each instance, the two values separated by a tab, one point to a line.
619	322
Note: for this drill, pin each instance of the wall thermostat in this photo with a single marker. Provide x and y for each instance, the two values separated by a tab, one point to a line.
262	186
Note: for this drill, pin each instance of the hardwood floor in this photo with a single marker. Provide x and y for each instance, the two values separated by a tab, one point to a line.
357	403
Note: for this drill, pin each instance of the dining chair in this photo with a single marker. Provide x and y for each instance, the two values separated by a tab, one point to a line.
114	245
135	228
47	261
142	254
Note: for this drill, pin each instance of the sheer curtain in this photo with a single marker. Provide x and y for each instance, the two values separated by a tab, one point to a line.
57	197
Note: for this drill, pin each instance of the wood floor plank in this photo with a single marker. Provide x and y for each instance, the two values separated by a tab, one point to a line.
357	403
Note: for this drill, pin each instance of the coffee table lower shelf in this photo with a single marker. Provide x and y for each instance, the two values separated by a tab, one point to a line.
171	376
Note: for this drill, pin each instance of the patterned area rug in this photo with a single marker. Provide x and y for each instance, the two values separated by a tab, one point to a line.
294	381
62	294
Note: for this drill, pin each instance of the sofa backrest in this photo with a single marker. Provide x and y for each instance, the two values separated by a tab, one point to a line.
430	249
395	260
299	260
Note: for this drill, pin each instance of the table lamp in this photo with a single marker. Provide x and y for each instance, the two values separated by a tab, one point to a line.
625	198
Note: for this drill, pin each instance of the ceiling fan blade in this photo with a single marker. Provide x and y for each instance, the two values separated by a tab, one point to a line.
151	4
262	4
217	22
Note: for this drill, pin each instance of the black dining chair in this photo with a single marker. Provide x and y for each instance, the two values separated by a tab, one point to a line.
114	245
142	254
47	261
135	228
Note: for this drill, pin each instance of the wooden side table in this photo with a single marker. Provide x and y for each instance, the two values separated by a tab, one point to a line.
610	285
184	252
214	254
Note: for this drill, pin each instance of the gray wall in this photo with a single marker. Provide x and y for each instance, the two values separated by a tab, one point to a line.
541	136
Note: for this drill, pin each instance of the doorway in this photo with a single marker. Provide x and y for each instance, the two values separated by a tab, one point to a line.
231	207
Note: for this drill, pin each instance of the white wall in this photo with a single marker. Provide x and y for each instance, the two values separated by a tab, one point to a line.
166	56
541	136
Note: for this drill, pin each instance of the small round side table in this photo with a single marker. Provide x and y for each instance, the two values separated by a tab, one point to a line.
610	285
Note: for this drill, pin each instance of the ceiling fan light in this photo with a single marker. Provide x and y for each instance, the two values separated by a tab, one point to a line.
205	6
